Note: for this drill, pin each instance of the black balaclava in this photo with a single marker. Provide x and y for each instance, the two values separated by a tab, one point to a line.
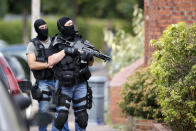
66	31
42	33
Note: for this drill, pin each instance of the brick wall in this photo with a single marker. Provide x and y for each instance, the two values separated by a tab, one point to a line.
138	124
115	112
161	13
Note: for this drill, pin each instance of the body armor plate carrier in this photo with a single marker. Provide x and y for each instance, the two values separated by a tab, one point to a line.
44	74
70	71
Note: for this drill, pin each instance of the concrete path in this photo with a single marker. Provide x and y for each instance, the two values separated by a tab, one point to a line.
89	128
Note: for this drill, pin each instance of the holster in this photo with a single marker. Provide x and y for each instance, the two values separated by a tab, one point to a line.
36	93
89	97
56	94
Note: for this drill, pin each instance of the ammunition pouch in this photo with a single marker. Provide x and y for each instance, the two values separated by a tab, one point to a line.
85	73
68	75
67	78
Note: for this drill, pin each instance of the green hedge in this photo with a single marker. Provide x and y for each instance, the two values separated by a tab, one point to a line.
90	28
11	31
174	68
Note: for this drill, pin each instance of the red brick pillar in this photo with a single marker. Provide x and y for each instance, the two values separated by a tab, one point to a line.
159	14
116	87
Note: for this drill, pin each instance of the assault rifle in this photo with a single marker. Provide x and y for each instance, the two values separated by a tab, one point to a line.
85	46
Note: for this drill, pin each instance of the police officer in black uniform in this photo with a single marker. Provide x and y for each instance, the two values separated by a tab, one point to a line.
37	56
71	73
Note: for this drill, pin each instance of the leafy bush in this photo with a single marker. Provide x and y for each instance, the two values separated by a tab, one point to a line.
174	68
140	96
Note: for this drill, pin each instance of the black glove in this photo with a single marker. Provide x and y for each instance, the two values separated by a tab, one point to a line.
71	51
87	56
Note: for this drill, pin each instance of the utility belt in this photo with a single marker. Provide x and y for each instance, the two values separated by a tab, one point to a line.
71	78
71	82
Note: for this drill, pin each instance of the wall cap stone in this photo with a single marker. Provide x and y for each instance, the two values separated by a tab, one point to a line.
160	127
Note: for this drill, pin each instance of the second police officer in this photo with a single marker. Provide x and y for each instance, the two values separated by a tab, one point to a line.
71	72
37	57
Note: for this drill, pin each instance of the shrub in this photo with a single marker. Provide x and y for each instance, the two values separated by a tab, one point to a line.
174	68
140	96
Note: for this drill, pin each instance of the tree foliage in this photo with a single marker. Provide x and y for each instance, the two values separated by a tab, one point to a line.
174	68
3	7
17	6
92	8
126	48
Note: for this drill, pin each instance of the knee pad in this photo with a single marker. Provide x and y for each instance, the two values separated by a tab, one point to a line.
60	120
82	119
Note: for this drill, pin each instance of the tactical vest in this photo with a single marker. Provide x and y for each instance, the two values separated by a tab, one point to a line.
44	74
70	71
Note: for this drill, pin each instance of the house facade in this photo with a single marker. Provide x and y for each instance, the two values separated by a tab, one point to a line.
158	14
